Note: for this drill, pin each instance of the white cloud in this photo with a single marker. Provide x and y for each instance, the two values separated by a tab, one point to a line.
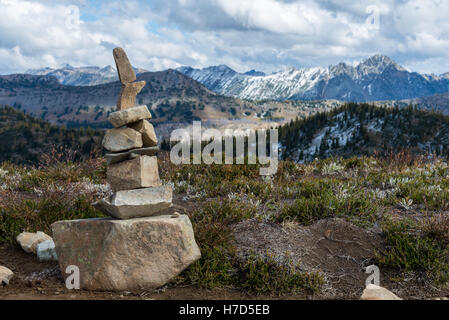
264	34
274	16
36	34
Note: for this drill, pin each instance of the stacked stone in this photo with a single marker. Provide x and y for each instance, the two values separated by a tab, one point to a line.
140	248
132	145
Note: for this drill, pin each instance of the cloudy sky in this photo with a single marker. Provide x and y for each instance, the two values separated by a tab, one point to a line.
266	35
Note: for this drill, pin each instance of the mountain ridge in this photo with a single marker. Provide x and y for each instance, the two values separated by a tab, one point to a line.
377	78
81	76
374	79
172	97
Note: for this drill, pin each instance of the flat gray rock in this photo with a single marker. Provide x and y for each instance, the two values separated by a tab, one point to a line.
122	139
112	158
137	203
126	255
130	115
140	172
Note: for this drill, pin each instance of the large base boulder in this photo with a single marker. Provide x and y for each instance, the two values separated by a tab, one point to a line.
126	255
128	204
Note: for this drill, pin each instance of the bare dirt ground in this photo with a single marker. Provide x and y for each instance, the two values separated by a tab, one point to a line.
337	249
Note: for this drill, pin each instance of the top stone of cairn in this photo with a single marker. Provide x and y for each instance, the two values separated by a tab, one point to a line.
125	71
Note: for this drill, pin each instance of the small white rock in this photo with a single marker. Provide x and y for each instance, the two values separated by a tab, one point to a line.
46	251
5	275
373	292
29	241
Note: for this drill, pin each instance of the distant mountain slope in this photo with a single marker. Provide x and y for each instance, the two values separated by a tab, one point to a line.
84	76
39	94
172	97
439	102
24	139
377	78
218	78
362	129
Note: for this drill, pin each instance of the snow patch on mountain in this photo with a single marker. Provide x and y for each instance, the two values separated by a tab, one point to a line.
82	76
374	79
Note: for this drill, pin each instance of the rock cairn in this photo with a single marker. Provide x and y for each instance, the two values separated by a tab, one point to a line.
132	145
140	248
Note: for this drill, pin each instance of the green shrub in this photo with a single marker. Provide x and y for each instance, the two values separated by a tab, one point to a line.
437	228
316	200
214	269
38	215
212	226
408	250
261	276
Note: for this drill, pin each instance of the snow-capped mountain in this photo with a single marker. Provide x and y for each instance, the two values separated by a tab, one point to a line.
218	78
83	76
377	78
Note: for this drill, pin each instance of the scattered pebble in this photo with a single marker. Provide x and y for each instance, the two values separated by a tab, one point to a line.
29	241
373	292
5	275
46	251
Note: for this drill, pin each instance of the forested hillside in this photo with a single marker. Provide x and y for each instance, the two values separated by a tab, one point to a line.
363	129
24	139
